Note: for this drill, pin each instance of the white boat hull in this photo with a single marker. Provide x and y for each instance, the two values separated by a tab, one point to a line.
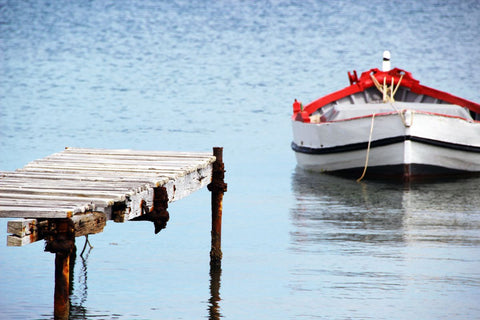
406	144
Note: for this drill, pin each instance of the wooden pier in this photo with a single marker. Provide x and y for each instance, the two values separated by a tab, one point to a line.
74	192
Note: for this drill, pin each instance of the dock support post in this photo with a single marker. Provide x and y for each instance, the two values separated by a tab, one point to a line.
217	187
61	308
158	214
61	241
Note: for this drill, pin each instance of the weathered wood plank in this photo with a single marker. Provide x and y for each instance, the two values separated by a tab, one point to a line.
66	205
158	175
126	160
100	169
48	184
89	176
80	180
159	163
36	212
79	184
26	231
89	223
176	189
71	150
15	241
21	198
75	176
116	196
22	227
18	186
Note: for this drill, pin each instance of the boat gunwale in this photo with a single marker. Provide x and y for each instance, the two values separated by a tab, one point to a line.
384	114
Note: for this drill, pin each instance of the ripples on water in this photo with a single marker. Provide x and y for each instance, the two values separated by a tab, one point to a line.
187	75
380	243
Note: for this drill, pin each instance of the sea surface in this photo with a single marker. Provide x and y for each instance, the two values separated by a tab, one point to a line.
191	75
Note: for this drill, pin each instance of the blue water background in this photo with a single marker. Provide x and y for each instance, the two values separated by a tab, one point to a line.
190	75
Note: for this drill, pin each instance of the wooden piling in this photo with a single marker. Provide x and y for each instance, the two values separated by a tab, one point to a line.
217	187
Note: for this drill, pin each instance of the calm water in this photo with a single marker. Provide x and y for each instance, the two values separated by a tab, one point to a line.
190	75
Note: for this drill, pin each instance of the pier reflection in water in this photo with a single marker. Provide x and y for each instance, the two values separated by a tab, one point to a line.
79	283
214	301
79	288
386	245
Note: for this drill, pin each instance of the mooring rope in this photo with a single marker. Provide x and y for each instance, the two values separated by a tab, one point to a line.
368	149
385	89
398	85
400	113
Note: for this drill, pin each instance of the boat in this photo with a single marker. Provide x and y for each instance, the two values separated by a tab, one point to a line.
386	124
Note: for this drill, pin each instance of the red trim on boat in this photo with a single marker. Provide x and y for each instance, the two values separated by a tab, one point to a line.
365	82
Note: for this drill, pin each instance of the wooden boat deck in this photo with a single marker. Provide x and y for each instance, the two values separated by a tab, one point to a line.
76	183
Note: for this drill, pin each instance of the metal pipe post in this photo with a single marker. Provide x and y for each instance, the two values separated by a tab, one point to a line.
217	187
62	286
61	241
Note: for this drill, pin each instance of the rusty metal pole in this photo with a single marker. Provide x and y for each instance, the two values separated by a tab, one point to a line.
61	241
217	187
62	286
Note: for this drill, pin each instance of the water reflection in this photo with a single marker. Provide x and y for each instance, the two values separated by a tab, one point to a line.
214	306
79	286
329	208
407	250
78	297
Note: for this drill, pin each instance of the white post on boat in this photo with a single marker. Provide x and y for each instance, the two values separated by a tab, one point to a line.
386	61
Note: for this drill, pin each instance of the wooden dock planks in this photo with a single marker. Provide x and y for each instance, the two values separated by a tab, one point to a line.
72	193
78	182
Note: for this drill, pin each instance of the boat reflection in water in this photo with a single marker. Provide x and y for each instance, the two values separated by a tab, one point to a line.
335	209
405	249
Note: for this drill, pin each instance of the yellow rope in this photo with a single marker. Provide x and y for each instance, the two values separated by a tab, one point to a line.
386	98
375	82
385	89
398	86
368	150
